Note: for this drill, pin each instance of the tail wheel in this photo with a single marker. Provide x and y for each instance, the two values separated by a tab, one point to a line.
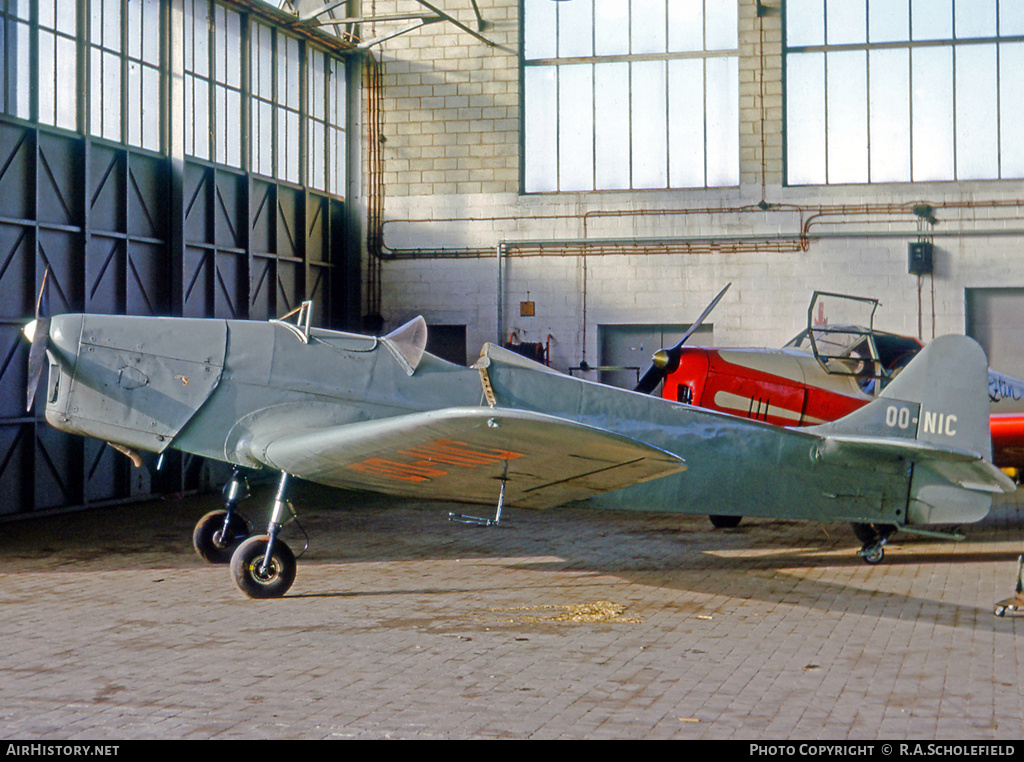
212	542
256	580
874	557
873	537
725	522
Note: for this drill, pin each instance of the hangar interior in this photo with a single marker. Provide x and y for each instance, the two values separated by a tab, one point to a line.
577	175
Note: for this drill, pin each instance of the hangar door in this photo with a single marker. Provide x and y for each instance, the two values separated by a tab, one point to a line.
628	348
150	163
994	317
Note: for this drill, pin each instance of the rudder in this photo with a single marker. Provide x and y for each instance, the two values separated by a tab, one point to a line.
940	398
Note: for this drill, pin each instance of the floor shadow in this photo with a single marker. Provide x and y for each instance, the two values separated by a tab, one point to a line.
770	560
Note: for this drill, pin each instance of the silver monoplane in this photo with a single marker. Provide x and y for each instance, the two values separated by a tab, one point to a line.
382	414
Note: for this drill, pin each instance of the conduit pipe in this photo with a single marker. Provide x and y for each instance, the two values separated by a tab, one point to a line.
777	243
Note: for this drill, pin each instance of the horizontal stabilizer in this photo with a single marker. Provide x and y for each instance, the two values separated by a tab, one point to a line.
464	454
969	470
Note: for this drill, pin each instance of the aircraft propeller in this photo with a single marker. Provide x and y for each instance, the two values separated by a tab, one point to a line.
665	361
37	332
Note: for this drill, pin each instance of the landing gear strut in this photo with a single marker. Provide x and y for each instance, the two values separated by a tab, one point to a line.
264	566
874	537
218	533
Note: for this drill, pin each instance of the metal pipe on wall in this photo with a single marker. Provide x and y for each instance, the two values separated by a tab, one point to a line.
775	243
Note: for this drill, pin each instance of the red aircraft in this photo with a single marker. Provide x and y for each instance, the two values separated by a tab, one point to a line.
824	373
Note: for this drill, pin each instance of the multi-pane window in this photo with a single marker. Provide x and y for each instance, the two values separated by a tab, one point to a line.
630	94
904	90
276	91
144	112
57	56
296	85
287	108
124	58
197	78
213	83
15	59
124	70
262	120
326	122
105	54
254	97
227	86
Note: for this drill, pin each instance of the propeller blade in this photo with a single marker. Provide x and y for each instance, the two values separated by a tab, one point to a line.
650	380
703	316
665	361
41	299
40	333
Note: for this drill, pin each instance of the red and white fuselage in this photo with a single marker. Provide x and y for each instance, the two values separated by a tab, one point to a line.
789	387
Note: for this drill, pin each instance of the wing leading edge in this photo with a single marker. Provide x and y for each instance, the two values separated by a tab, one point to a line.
463	454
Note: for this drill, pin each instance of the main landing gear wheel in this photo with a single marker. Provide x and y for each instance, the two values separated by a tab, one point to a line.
725	522
258	579
215	543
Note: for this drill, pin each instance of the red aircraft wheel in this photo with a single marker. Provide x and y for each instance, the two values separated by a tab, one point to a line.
256	581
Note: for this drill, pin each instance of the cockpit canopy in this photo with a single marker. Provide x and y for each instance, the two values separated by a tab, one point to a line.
837	337
855	350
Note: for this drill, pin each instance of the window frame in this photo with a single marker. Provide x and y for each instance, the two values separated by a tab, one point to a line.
107	67
589	67
916	46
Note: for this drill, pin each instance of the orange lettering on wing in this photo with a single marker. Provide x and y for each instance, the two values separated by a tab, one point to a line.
406	472
445	452
459	453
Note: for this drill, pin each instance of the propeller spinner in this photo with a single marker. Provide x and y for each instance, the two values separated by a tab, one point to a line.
665	361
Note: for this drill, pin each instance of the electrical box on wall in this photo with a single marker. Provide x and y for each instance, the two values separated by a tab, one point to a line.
919	257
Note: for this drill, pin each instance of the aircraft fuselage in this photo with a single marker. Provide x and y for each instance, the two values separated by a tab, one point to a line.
229	389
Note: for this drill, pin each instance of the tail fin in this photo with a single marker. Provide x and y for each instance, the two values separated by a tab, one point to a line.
935	415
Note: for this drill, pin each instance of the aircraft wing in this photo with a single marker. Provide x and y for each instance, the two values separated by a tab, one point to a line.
462	454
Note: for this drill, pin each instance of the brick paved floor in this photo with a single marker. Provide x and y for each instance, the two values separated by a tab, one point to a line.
563	624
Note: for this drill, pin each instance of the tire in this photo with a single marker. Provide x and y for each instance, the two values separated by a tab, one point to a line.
207	540
246	563
874	558
725	522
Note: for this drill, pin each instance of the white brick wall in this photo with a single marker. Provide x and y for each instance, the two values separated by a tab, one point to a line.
451	174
